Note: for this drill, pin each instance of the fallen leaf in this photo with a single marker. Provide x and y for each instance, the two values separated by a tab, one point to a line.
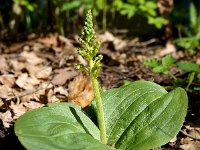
185	140
193	131
31	58
81	91
4	65
26	82
192	145
7	80
6	118
18	110
53	99
119	44
61	90
32	105
35	94
62	75
169	48
17	66
44	73
49	41
33	69
5	92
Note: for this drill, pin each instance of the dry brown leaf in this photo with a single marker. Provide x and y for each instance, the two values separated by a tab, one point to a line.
192	145
35	93
44	73
53	99
169	48
81	91
185	140
31	58
33	69
119	44
62	75
49	41
4	65
7	80
26	82
37	46
32	105
65	42
18	110
61	90
16	65
107	36
6	118
5	92
193	131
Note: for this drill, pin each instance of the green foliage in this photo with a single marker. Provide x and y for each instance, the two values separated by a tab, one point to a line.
188	66
87	4
147	8
137	116
192	34
58	126
30	6
63	16
71	5
161	66
194	72
140	115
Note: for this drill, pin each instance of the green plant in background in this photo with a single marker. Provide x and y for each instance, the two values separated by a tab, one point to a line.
194	72
140	115
161	66
147	8
191	39
23	9
71	7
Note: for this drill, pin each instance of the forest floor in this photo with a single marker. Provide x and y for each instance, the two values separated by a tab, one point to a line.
42	70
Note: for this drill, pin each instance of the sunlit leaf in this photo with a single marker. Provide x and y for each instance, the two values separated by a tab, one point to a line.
142	115
60	126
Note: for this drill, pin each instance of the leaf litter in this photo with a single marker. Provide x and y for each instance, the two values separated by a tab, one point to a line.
41	71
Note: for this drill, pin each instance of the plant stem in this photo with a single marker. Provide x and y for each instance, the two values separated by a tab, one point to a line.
99	106
172	76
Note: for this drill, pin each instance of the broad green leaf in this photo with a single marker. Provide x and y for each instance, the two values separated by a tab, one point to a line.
60	126
167	61
160	69
142	115
188	66
154	62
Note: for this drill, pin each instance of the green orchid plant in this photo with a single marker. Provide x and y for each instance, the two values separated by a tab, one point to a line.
89	52
137	116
